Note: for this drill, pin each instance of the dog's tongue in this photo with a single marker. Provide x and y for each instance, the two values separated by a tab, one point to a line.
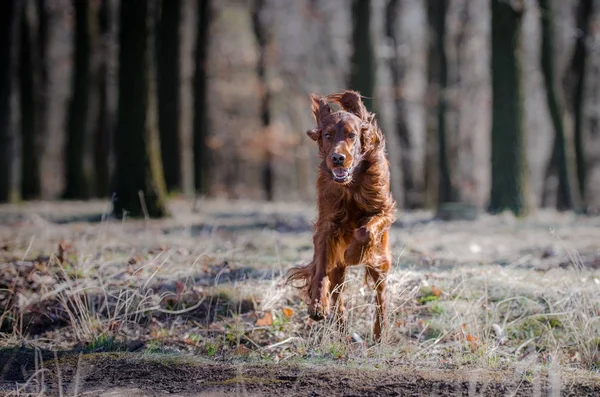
340	172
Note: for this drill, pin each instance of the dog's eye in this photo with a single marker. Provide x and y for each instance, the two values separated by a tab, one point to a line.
327	135
351	135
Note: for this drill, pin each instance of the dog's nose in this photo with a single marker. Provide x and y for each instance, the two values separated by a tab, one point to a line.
338	159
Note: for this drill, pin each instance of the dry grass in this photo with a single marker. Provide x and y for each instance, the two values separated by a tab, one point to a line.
497	293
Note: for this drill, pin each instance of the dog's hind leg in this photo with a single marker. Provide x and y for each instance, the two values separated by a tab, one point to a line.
378	271
337	276
379	278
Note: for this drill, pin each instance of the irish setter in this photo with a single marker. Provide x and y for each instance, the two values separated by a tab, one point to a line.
354	203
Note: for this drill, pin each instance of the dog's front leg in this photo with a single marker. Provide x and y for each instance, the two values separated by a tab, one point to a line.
326	244
367	234
357	249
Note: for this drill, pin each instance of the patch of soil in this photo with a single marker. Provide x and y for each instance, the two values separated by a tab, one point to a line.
124	374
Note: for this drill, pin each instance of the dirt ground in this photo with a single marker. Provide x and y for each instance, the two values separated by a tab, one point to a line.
195	305
122	374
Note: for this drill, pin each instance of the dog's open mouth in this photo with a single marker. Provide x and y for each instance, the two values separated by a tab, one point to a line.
341	174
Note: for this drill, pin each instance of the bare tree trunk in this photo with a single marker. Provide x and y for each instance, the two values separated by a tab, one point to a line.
590	123
362	72
575	82
140	186
106	108
8	16
508	160
9	19
400	38
201	152
447	191
560	160
78	176
396	131
42	93
168	64
468	95
432	161
29	79
188	41
261	34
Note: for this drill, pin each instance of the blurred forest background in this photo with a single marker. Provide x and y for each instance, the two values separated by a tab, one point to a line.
494	104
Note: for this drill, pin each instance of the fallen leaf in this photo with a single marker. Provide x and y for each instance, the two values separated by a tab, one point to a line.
436	291
41	267
216	326
63	247
158	250
179	287
287	312
266	320
135	259
241	350
472	339
574	357
113	325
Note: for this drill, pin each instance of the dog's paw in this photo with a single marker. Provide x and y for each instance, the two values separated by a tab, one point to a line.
319	306
317	311
357	248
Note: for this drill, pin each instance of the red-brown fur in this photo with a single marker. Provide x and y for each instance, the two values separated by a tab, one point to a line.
354	215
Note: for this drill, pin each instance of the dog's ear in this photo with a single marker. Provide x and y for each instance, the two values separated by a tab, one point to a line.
320	108
370	137
314	134
351	102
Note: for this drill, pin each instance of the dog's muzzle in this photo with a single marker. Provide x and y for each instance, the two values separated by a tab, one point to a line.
341	174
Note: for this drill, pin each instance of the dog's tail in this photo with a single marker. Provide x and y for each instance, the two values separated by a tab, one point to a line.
300	277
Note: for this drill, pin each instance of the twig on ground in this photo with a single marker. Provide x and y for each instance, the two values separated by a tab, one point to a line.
283	342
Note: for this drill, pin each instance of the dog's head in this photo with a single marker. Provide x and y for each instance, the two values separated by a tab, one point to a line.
344	136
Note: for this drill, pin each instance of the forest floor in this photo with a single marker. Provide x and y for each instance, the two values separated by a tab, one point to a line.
195	305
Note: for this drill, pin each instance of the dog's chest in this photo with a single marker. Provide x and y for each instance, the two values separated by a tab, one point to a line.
349	213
